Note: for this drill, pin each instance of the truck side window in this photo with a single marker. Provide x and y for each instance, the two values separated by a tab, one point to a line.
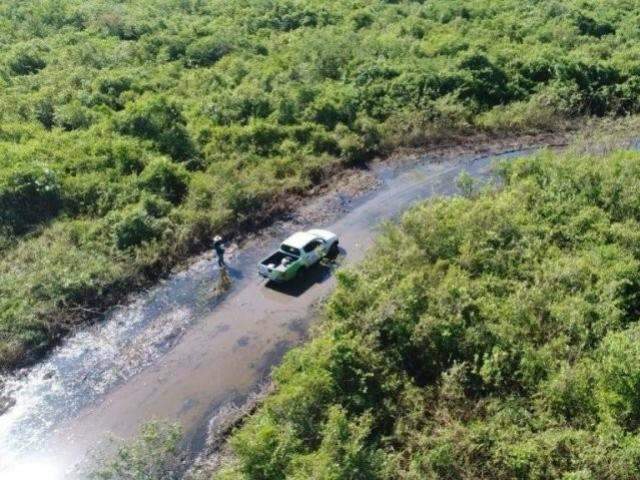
290	250
311	246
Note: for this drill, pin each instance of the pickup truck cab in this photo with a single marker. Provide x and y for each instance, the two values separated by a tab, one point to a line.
298	252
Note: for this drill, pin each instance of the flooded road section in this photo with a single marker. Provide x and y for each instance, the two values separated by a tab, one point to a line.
179	352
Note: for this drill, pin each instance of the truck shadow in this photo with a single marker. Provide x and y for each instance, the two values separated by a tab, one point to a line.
317	274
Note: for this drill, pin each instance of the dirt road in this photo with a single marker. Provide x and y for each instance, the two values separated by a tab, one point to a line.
180	353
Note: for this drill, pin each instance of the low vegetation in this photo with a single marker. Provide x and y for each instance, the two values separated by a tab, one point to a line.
131	131
155	454
493	335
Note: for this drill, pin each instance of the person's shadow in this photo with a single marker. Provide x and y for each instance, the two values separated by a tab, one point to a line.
234	273
318	273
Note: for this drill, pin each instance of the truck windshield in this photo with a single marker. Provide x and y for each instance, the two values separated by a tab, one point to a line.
290	250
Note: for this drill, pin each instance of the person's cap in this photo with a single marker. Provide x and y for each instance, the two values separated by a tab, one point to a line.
217	238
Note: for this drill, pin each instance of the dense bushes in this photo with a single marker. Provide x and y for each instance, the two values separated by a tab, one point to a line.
27	61
258	99
158	120
137	226
29	195
493	336
206	51
165	179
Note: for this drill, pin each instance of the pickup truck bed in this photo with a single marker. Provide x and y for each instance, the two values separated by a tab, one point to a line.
275	260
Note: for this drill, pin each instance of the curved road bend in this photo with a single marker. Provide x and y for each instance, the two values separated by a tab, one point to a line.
176	353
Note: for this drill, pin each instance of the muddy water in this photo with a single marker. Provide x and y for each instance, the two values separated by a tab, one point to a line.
180	351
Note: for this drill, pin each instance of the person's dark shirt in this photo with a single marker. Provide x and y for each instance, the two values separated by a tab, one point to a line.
219	248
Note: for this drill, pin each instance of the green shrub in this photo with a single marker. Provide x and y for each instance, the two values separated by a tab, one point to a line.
588	26
128	157
73	116
240	107
153	455
343	452
206	51
94	195
288	16
206	192
110	90
536	114
166	179
618	378
116	23
44	110
27	61
362	19
155	206
483	82
134	227
160	120
29	194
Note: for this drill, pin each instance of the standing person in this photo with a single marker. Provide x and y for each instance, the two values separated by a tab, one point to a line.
219	248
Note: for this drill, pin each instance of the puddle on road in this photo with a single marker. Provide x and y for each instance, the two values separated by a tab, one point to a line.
179	353
95	360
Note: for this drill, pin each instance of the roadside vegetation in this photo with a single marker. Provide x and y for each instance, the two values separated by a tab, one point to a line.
492	335
155	454
131	131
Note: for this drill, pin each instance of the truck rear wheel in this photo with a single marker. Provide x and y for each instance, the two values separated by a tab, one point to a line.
334	250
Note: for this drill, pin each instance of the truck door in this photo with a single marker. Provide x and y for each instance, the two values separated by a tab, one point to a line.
312	252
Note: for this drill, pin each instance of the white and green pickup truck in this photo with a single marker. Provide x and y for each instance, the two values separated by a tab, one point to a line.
297	253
